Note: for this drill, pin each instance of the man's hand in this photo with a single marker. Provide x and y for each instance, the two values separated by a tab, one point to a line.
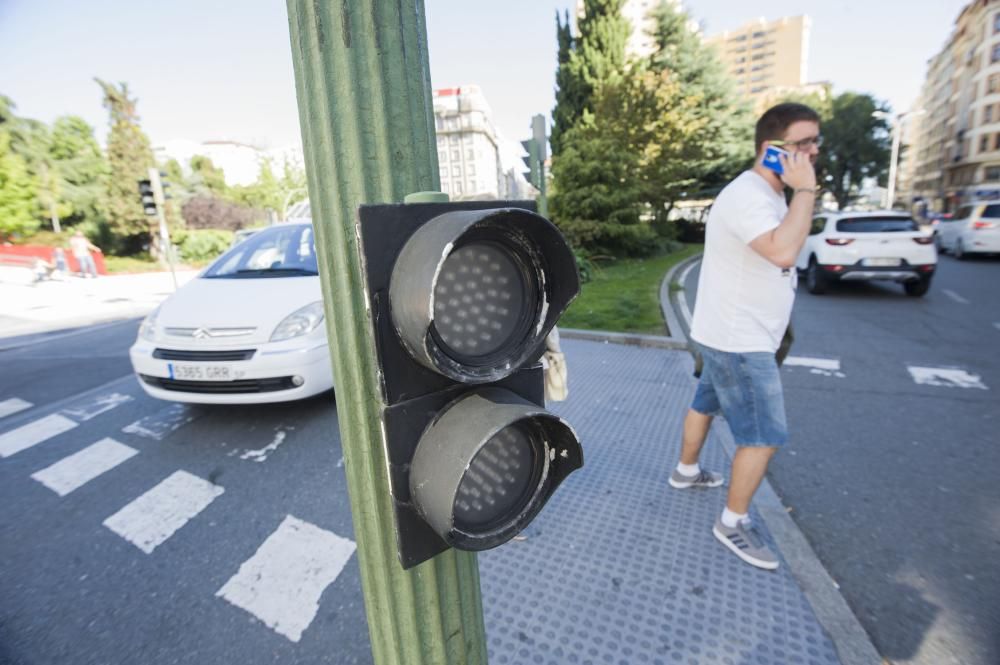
798	171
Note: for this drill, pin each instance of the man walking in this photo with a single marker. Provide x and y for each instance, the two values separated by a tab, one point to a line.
745	293
81	248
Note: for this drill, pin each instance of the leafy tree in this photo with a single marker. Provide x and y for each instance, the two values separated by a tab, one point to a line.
82	169
569	96
206	177
18	189
270	191
722	146
18	192
856	146
129	158
203	211
585	62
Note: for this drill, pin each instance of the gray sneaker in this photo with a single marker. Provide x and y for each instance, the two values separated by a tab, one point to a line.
701	479
746	543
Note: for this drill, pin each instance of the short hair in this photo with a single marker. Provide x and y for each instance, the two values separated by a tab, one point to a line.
776	120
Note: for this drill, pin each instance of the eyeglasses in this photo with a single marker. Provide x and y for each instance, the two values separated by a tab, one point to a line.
803	144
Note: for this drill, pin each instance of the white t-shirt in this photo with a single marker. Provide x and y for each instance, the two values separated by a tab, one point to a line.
744	301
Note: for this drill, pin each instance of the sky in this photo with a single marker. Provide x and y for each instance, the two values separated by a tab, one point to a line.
222	69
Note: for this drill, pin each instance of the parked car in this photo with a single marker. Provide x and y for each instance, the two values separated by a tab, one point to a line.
974	229
247	330
880	245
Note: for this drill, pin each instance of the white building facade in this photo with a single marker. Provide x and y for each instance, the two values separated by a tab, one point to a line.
467	145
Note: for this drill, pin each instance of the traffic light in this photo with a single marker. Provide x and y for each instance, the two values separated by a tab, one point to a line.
147	197
462	296
533	161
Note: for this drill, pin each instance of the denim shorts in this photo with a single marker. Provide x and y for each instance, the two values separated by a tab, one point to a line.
746	389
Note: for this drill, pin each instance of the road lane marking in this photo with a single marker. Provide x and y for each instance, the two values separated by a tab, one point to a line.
954	296
152	518
821	366
13	405
162	423
263	453
282	582
80	468
95	406
33	433
946	377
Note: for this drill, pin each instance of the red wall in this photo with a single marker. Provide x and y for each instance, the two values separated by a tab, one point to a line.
49	253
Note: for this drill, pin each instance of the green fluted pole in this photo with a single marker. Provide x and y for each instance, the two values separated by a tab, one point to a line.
363	85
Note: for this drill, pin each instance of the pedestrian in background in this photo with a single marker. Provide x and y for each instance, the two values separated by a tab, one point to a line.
81	248
744	302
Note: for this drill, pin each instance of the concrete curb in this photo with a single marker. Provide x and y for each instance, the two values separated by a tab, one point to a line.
674	326
853	645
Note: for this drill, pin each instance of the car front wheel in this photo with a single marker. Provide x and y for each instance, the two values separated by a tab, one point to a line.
960	250
815	279
917	287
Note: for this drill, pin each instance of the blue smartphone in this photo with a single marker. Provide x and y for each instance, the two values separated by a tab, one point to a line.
771	160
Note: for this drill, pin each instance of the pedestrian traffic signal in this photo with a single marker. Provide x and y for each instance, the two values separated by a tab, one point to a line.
147	197
533	161
462	297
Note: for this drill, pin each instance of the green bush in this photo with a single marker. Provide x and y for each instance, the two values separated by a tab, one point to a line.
200	245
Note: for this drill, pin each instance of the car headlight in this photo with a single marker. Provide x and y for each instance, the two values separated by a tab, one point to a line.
147	330
300	322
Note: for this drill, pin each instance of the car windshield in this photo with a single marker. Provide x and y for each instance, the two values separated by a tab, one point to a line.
278	251
992	211
876	225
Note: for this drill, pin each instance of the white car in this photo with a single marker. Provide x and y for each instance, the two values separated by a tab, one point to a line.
879	245
974	229
249	329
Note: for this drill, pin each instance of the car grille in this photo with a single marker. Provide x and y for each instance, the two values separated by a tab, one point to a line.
221	387
204	356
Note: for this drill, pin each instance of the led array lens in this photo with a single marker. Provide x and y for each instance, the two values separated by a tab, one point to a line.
478	299
497	481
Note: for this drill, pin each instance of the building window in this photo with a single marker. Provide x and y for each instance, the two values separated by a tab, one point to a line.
456	156
454	139
991	173
996	23
996	141
470	154
759	56
987	114
442	155
993	84
439	122
995	55
456	171
458	187
470	169
443	171
984	143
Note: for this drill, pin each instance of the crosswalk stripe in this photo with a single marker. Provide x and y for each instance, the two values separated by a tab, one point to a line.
162	423
948	377
282	582
80	468
152	518
11	406
33	433
95	406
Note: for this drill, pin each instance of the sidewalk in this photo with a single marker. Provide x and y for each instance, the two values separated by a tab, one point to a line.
620	567
27	308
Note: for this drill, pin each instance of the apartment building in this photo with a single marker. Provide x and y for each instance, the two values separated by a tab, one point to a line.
467	144
957	144
766	57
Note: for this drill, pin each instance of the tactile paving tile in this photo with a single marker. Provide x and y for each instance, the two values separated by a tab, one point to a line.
621	568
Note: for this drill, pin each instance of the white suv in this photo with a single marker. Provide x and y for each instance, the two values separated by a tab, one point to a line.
975	228
879	245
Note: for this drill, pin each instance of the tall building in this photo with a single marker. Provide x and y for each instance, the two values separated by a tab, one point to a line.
957	145
467	143
766	57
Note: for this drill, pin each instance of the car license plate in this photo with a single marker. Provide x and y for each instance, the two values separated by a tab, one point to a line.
881	262
199	372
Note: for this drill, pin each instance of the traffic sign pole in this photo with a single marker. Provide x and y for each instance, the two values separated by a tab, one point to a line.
363	85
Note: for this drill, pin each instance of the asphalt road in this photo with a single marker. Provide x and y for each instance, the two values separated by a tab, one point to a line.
74	592
892	471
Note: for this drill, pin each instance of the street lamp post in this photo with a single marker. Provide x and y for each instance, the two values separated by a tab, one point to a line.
897	130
